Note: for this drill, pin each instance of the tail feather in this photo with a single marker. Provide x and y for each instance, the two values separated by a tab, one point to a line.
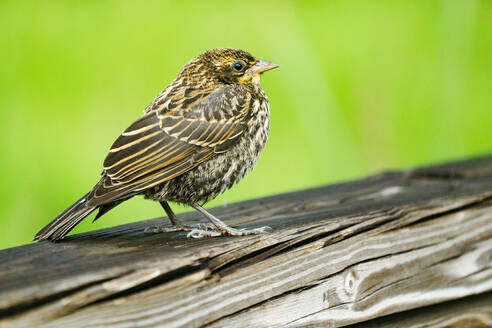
66	220
104	208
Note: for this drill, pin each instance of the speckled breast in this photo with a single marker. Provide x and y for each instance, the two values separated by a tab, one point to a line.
222	171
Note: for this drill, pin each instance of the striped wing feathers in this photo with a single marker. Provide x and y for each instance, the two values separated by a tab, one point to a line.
162	145
201	132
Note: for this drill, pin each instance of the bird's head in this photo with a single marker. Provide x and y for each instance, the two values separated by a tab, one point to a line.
227	66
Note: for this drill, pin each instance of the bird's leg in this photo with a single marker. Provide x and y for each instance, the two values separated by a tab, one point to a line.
222	228
177	226
172	217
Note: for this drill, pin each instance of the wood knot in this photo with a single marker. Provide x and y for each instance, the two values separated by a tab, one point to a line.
350	282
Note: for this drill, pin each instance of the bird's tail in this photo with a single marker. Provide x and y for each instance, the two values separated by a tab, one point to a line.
66	221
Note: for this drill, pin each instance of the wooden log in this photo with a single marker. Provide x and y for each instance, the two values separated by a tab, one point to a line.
387	245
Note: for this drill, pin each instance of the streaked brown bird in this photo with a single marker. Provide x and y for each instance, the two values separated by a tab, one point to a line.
200	136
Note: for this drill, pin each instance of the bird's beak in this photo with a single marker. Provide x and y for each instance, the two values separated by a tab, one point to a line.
263	66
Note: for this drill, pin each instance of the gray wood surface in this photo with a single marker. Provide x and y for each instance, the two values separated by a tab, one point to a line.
396	247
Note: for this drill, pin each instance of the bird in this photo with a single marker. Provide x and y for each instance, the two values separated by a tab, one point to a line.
200	136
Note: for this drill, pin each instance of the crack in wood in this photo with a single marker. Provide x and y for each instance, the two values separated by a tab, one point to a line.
25	307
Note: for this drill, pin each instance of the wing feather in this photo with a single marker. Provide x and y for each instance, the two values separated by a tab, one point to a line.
163	145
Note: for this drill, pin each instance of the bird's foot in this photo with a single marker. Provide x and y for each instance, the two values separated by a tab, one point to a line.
204	231
159	229
226	231
221	229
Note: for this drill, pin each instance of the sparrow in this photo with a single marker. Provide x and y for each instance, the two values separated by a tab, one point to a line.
200	136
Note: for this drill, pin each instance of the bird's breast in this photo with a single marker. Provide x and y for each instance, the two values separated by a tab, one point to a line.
224	170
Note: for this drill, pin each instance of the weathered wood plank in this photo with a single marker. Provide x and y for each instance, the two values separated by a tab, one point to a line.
373	275
337	255
469	312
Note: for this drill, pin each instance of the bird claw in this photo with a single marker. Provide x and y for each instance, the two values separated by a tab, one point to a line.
153	229
160	229
246	232
206	233
198	227
200	233
202	230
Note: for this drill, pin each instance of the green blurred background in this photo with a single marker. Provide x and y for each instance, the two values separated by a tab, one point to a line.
363	86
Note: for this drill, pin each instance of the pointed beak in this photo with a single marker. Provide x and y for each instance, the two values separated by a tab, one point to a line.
263	66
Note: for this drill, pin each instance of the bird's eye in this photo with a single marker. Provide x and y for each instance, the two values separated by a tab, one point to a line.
237	66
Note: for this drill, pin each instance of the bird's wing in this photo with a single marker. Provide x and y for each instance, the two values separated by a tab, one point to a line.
164	144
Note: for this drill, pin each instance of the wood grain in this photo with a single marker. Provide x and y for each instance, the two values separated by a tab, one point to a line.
386	245
469	312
